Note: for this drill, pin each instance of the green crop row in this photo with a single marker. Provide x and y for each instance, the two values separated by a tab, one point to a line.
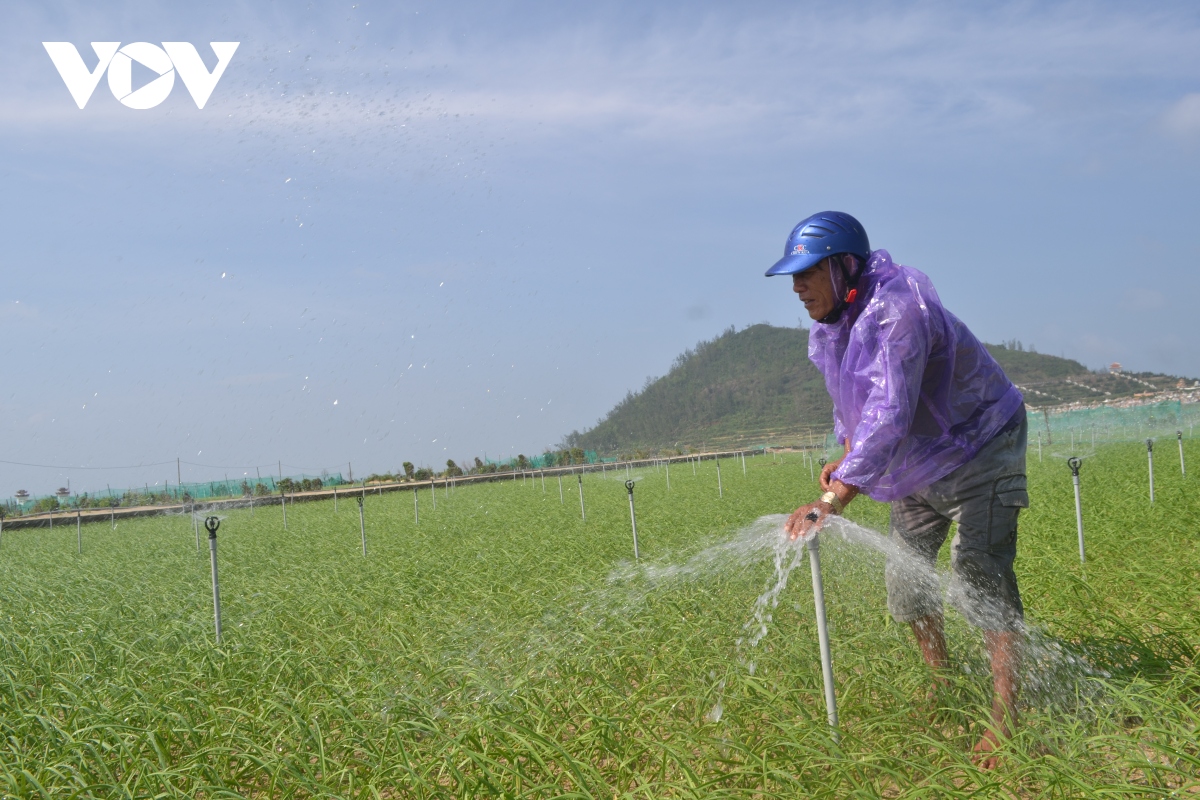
503	646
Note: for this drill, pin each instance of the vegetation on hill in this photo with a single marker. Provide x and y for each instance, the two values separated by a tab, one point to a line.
757	381
757	385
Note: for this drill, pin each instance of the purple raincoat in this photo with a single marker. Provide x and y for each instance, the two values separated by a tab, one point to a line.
913	389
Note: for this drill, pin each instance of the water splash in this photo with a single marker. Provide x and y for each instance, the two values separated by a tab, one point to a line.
1055	674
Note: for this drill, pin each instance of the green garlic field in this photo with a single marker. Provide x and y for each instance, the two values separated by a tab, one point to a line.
503	647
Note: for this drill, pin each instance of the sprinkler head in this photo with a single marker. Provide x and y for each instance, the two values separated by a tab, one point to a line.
821	461
211	524
360	502
1149	445
1074	463
629	486
1179	435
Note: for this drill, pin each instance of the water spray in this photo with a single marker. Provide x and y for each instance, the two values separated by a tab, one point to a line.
1074	463
211	524
814	560
1150	459
1182	469
632	518
362	526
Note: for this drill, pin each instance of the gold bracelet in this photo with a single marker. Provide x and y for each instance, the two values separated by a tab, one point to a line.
832	499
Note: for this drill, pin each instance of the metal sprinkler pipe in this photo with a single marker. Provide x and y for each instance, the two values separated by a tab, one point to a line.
668	474
416	511
720	489
560	491
632	519
211	524
78	532
582	511
1182	469
283	504
362	526
1074	463
1150	459
814	560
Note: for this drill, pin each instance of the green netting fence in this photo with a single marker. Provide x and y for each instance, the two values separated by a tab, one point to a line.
159	494
1114	423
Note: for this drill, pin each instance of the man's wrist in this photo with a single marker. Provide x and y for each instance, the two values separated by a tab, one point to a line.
833	501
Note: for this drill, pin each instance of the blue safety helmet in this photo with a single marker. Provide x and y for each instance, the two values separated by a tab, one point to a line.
824	234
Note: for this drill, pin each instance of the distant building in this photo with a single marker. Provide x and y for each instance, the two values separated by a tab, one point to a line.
1115	366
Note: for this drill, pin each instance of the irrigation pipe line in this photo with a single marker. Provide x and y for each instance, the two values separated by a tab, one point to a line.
1150	458
1182	469
211	524
814	560
1074	463
632	519
362	526
582	510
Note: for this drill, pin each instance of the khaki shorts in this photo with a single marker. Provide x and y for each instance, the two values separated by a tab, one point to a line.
984	496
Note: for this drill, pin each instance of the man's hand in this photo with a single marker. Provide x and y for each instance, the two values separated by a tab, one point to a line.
807	520
826	471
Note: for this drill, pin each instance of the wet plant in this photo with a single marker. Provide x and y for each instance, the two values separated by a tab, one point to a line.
502	646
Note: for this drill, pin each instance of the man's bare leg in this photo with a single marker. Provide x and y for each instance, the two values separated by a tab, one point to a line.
931	636
1004	649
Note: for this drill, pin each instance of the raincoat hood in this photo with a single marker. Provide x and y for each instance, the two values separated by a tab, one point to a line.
913	390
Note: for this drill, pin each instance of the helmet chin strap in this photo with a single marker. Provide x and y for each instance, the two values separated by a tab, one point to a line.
843	302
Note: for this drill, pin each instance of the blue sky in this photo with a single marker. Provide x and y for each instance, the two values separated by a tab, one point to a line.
476	226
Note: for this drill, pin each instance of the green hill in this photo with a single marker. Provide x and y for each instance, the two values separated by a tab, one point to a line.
758	386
